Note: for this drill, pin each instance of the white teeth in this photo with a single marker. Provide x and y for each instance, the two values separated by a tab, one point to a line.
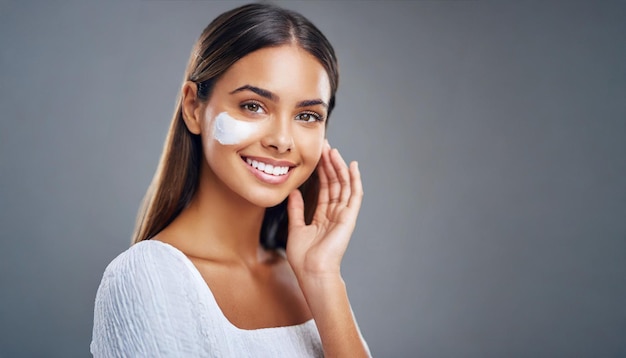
267	168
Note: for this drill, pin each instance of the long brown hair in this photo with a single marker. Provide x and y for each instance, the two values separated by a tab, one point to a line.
225	40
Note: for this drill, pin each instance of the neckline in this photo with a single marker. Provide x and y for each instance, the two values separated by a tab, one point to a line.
198	277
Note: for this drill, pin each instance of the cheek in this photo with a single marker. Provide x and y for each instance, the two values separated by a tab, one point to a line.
311	147
229	131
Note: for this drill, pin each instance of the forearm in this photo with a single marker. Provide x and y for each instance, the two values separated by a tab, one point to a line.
328	301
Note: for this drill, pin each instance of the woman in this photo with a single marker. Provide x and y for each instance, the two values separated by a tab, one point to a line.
245	166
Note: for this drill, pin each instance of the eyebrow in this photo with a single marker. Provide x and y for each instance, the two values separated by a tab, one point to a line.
260	91
275	98
311	102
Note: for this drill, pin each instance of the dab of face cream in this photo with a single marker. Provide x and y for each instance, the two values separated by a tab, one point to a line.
228	130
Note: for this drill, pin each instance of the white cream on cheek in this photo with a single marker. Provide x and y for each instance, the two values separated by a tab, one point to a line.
228	130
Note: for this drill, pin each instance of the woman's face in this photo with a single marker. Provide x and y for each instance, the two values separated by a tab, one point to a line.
264	124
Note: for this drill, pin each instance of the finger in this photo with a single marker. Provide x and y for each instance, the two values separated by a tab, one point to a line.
323	195
356	197
343	175
295	209
334	186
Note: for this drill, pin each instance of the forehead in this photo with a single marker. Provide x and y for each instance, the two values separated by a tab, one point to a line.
289	71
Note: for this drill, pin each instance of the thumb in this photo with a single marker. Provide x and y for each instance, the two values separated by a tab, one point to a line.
295	209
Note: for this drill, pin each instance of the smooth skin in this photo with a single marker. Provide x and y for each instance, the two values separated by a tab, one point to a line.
219	230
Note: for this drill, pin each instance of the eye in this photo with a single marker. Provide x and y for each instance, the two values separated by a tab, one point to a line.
309	117
253	107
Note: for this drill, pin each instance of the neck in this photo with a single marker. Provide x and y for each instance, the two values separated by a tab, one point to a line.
219	225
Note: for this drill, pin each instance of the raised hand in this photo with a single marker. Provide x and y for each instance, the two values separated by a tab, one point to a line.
316	250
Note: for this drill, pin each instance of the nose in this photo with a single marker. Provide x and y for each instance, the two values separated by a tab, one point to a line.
278	136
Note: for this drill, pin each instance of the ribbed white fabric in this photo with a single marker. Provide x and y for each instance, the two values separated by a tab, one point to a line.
153	302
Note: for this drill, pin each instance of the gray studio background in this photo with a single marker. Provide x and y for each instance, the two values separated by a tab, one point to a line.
491	137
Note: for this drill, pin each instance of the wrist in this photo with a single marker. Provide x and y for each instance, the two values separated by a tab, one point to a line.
319	283
317	269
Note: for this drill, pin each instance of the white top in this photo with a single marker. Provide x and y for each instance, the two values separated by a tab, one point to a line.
153	302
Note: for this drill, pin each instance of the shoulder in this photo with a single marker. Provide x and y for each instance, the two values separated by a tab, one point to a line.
145	256
143	268
144	303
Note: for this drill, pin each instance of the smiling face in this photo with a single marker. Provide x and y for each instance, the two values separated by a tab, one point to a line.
264	123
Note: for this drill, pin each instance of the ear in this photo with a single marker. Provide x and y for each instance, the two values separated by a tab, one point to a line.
191	107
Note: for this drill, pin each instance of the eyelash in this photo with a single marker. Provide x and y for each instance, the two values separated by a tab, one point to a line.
255	103
316	116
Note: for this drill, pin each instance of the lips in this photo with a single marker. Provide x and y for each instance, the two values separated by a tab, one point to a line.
269	171
267	168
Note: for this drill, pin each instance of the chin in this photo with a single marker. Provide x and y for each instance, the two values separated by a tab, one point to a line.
267	201
267	196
